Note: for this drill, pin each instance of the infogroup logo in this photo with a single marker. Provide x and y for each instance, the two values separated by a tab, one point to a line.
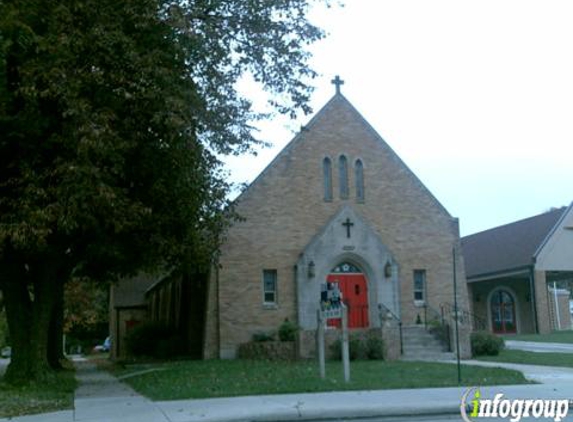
474	407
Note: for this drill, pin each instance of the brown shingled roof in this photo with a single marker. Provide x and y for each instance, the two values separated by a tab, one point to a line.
131	292
509	247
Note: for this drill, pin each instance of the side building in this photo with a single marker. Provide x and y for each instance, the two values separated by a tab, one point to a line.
519	274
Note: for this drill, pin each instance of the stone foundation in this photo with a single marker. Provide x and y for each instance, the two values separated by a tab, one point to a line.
389	333
268	350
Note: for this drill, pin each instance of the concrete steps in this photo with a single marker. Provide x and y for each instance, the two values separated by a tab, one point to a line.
419	344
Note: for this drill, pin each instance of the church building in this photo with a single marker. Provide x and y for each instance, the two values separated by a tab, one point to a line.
337	205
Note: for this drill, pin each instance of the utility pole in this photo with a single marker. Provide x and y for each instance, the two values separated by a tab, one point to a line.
456	317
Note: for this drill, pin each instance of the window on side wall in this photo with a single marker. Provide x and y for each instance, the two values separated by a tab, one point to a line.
419	287
359	178
269	287
327	176
343	176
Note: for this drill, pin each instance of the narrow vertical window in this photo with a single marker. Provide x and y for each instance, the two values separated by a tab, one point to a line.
343	176
269	287
419	285
359	178
327	176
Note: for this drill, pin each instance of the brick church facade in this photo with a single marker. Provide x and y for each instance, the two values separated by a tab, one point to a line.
337	204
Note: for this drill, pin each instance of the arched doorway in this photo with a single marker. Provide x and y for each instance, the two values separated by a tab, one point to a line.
502	305
354	288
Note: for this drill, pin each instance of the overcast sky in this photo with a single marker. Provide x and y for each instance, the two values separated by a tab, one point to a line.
476	98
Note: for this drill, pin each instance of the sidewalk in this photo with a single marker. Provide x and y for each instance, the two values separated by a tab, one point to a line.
538	373
539	347
103	398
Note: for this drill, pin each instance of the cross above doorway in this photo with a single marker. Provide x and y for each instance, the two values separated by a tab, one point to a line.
348	224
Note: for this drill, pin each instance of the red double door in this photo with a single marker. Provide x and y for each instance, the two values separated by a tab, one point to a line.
354	291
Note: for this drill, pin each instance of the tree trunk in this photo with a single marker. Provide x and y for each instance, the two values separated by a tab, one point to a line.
29	313
18	315
56	331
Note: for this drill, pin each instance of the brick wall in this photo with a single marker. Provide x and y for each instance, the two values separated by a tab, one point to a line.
284	209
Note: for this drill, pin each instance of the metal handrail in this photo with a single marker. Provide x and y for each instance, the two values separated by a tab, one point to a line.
444	326
384	309
437	316
464	316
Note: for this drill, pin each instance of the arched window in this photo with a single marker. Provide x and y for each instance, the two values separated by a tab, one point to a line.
359	178
327	176
503	313
343	176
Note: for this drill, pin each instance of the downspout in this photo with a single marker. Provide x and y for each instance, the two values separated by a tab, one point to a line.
296	309
218	313
556	300
533	298
118	334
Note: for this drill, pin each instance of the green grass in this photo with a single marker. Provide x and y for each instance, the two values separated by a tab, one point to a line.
58	394
531	358
554	337
201	379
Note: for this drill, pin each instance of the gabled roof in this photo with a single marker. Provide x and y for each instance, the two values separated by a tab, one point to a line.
130	292
338	98
508	248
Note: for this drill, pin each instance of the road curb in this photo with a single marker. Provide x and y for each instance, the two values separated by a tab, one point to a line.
316	414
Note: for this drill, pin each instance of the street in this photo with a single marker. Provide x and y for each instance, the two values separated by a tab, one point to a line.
438	418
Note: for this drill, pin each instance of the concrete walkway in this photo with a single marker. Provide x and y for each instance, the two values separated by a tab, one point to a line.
538	373
535	346
103	398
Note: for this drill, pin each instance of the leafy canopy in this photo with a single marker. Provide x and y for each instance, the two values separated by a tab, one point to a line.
112	113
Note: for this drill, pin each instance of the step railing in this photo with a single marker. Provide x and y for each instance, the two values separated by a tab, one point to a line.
385	314
463	316
435	321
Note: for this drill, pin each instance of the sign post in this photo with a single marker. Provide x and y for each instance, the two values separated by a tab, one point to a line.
320	345
345	346
332	307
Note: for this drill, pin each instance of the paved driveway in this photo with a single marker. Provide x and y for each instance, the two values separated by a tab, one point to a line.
533	346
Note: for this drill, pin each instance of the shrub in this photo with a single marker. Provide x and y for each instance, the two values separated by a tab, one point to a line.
287	331
374	346
485	343
155	340
262	337
356	348
275	351
441	331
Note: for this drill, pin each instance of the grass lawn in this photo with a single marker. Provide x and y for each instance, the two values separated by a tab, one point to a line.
57	395
531	358
554	337
200	379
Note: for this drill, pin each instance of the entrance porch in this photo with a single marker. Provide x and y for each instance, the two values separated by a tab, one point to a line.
524	303
505	304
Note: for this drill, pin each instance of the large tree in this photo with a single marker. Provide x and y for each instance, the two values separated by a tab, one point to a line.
112	114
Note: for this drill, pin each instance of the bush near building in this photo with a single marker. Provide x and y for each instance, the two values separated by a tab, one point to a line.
486	344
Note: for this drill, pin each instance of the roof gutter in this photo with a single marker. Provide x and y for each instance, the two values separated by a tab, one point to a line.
523	270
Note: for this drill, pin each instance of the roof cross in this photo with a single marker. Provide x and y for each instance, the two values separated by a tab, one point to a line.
337	82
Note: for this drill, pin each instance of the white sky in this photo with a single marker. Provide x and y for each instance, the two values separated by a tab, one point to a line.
476	98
